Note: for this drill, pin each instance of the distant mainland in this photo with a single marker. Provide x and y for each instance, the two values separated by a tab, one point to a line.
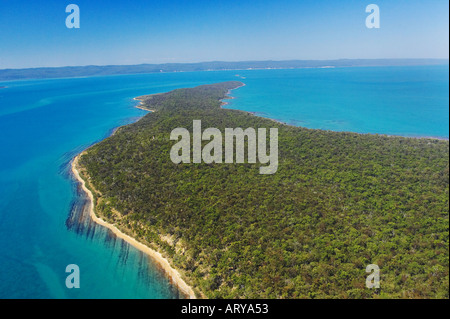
95	70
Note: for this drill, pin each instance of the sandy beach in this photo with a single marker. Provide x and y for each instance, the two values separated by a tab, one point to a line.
173	274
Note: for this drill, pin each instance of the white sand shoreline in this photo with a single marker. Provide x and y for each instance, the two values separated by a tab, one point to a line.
173	274
141	102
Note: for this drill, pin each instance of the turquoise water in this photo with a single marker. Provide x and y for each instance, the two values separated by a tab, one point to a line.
44	123
406	101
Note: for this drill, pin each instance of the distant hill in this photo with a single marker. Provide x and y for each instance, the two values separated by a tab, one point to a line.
95	70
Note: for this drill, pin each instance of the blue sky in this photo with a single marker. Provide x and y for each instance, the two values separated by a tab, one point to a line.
33	33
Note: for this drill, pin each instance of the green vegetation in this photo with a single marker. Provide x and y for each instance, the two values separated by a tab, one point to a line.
338	202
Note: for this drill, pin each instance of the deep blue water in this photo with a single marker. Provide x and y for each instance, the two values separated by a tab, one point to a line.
45	123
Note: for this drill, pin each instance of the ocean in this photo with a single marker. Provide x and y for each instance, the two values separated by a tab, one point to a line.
45	123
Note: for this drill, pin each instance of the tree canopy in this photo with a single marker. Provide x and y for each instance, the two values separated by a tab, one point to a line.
338	202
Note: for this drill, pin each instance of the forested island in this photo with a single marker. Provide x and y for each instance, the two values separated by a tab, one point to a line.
338	202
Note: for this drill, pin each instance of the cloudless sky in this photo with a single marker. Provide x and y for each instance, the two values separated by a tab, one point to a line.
34	34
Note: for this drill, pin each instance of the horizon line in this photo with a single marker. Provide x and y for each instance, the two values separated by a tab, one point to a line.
221	61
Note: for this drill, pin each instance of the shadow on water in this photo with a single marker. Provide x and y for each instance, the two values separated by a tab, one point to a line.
148	272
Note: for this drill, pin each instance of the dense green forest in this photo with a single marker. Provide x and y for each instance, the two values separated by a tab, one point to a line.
338	202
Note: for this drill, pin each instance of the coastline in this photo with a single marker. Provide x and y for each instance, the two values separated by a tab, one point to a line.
141	102
171	272
423	137
228	97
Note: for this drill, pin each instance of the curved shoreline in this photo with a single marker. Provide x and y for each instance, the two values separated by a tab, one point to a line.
171	272
141	102
228	97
